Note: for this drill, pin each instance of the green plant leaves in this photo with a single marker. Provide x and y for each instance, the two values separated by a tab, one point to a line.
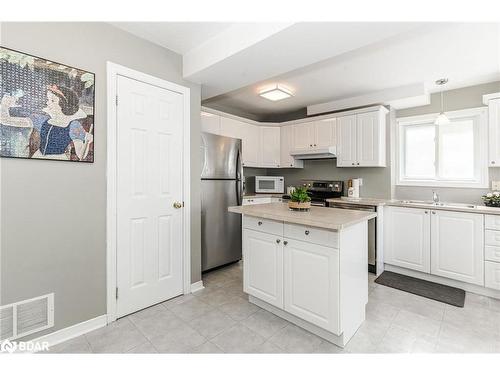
300	195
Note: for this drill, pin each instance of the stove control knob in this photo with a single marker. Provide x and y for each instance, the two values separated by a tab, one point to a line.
331	185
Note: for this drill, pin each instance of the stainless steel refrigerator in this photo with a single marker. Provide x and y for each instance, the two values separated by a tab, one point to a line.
221	187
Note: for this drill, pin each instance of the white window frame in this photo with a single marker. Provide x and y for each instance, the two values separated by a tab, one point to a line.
479	116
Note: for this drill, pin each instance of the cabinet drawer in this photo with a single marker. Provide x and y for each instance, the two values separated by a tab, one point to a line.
492	222
492	253
492	275
247	201
311	234
492	237
263	225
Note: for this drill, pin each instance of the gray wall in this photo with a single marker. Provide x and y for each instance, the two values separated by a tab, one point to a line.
54	213
467	97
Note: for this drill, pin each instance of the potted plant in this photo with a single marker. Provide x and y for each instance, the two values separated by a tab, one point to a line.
492	199
299	199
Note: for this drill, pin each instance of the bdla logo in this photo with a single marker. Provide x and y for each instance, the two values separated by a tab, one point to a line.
8	346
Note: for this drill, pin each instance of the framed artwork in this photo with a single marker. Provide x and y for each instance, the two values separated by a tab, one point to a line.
47	109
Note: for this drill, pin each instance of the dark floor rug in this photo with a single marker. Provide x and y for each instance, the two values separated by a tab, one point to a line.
428	289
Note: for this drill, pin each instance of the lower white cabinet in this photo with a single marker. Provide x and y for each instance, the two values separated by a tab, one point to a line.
443	243
263	266
311	283
492	275
407	238
457	246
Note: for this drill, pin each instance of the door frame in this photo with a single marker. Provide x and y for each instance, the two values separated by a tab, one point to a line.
113	72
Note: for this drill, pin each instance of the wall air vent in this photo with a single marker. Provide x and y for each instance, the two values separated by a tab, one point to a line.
26	317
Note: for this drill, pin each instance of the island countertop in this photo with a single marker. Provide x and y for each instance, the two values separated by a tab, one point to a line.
320	217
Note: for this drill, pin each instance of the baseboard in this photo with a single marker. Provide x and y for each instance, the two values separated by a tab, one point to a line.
476	289
71	332
197	286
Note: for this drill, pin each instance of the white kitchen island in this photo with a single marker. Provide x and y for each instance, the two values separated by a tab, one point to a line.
309	268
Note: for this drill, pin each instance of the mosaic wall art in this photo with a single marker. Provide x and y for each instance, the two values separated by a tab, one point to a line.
47	109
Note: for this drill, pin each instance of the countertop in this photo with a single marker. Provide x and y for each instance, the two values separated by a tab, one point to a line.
320	217
477	209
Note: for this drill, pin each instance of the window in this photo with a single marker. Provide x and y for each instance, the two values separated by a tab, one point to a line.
451	155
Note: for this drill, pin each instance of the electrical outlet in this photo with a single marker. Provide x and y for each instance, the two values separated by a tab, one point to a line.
360	181
495	185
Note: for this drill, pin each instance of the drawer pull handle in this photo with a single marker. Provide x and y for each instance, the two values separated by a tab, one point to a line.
307	233
259	223
278	240
285	243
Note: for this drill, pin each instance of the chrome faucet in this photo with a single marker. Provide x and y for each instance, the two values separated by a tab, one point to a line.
435	197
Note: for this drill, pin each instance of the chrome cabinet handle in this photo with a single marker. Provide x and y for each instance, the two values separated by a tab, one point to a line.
278	240
426	212
352	163
177	205
285	243
493	162
433	212
260	223
307	233
358	163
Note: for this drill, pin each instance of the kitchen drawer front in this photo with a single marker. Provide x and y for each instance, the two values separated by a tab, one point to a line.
248	201
263	225
492	237
492	275
311	234
492	253
492	222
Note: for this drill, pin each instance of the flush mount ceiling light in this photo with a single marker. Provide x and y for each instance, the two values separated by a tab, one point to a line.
276	93
442	119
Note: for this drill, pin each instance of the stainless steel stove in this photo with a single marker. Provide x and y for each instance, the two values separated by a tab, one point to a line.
321	190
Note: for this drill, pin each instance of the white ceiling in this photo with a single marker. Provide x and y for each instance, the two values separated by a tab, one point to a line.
180	37
324	62
466	54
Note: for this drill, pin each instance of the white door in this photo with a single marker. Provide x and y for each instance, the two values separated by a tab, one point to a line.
368	139
407	238
303	135
270	146
263	266
149	182
494	130
347	154
457	246
311	283
325	133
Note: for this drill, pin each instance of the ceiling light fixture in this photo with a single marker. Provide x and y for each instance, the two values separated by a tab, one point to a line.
276	93
442	119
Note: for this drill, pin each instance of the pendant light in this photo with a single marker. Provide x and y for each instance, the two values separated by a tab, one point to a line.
442	119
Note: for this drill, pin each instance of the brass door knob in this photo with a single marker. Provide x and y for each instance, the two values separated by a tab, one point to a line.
177	205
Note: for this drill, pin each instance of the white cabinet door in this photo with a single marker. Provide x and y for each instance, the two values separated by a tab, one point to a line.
370	136
263	266
286	145
210	123
407	238
311	283
325	133
303	135
251	145
249	201
231	128
457	246
270	146
346	143
494	132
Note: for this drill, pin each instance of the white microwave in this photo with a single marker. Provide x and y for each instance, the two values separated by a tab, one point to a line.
269	184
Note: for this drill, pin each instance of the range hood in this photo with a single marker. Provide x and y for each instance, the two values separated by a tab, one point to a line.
317	153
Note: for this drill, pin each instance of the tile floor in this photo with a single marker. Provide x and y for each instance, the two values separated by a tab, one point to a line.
219	319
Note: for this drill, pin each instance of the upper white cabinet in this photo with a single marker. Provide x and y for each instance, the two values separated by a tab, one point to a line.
270	140
493	102
457	246
443	243
210	123
361	139
315	134
287	144
251	145
407	238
